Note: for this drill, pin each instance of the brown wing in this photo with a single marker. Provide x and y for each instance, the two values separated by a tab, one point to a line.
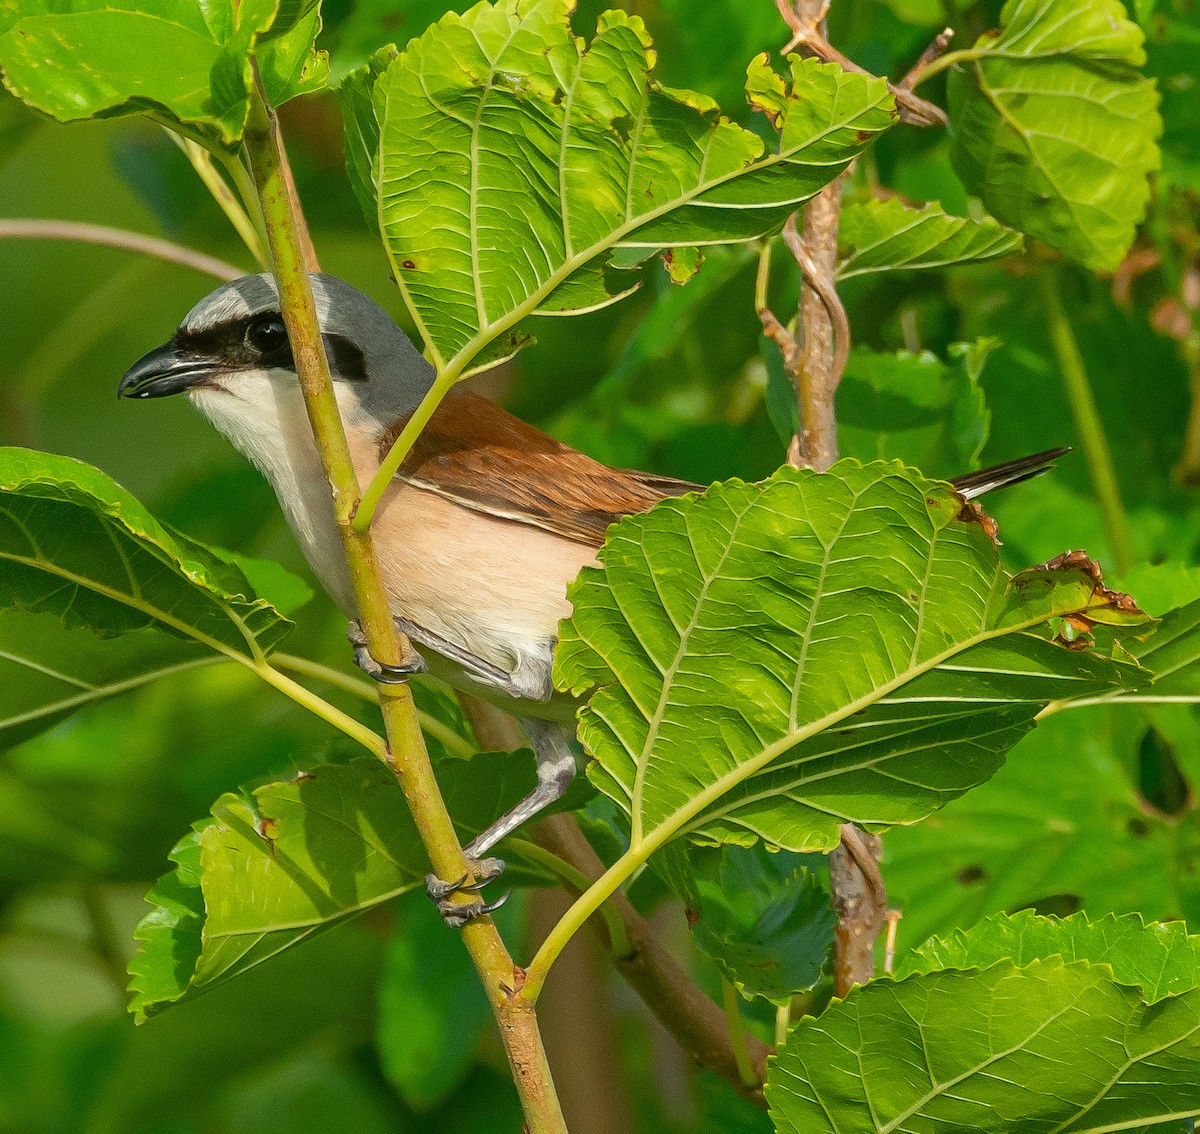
480	456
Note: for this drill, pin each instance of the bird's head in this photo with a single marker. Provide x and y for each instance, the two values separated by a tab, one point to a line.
232	356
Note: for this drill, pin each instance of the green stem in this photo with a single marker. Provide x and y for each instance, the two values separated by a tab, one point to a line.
365	690
1092	437
737	1037
442	385
206	169
583	908
967	55
306	698
619	941
405	753
783	1018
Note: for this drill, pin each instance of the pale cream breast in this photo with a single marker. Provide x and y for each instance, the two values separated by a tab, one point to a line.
494	587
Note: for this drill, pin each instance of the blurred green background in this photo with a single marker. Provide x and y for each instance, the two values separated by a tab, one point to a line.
376	1026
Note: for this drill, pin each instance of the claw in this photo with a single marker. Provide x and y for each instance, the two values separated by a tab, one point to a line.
457	914
380	671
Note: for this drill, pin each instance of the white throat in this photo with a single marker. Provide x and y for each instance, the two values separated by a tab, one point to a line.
263	415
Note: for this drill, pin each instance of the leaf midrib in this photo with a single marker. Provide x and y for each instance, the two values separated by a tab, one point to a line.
488	332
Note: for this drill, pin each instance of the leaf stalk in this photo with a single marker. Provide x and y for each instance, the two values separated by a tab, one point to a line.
405	752
1093	440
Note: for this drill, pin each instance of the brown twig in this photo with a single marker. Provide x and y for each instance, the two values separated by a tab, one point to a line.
820	363
37	229
861	904
696	1022
807	33
936	48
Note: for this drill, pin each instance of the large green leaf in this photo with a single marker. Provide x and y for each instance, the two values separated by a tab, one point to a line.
1047	1046
77	545
278	864
513	162
883	236
270	869
776	659
48	671
186	64
914	408
1055	127
762	917
1062	825
1161	960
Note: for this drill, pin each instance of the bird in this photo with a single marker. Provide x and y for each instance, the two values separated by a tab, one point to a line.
479	533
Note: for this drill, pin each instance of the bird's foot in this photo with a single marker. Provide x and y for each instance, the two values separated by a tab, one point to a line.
381	671
457	914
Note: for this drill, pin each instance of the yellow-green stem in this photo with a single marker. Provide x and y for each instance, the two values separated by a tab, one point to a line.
1092	437
235	212
366	691
442	385
579	882
405	754
369	739
737	1037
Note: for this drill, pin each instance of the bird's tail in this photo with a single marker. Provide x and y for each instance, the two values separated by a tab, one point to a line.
976	484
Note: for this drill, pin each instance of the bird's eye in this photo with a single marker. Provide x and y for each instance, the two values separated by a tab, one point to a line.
267	335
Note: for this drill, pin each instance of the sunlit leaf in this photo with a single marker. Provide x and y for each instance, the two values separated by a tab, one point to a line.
883	236
1161	960
776	659
1049	1045
186	64
513	162
1055	127
278	864
1061	826
75	544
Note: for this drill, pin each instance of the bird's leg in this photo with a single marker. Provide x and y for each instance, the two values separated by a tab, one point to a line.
555	771
386	674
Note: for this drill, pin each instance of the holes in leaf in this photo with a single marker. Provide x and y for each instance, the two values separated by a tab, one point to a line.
1138	828
1161	784
971	875
1053	905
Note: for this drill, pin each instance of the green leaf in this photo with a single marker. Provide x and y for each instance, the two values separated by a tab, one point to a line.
513	163
1172	653
1054	127
1062	825
886	236
763	917
185	64
1161	960
360	118
278	864
432	1008
75	544
269	870
1048	1046
776	659
48	671
915	408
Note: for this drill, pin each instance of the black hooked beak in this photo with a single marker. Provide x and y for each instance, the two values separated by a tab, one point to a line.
166	370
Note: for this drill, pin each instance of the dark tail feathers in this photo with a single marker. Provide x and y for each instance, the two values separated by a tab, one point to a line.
1011	472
